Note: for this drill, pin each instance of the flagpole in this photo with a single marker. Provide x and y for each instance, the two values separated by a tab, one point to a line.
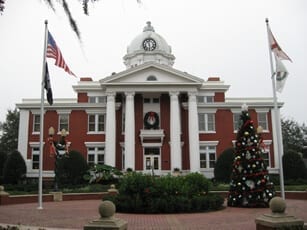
276	120
41	136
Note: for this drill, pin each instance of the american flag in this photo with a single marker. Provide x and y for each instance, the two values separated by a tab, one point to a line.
54	52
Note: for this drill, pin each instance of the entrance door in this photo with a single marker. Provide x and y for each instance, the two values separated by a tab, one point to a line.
152	159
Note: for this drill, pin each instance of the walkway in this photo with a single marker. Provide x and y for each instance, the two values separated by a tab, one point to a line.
75	214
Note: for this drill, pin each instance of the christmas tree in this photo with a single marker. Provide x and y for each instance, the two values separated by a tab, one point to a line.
250	185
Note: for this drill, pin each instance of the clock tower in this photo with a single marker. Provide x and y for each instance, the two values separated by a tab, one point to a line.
148	47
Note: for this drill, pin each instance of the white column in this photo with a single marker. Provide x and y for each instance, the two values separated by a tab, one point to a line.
109	157
129	131
176	157
193	134
23	135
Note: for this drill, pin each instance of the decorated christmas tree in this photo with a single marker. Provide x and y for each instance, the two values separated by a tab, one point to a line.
250	185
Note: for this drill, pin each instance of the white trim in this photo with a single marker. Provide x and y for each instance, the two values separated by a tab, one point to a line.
208	143
207	132
35	144
100	111
236	110
36	111
96	94
63	111
206	94
262	110
207	110
152	145
95	132
267	142
94	144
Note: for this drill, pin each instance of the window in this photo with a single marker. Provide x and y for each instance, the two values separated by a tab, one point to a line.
152	151
102	99
209	99
265	156
207	156
91	99
36	122
96	123
64	122
262	120
95	155
206	122
97	99
146	100
35	158
151	78
236	121
265	152
154	100
205	99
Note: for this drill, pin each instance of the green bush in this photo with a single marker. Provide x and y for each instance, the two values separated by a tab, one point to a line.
71	168
140	193
3	157
14	169
223	166
293	166
104	174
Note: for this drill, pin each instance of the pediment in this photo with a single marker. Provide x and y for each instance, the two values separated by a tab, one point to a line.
152	74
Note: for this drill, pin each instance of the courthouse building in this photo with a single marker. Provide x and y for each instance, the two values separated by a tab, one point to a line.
150	116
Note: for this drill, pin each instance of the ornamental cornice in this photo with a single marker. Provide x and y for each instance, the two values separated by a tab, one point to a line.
174	93
235	106
129	93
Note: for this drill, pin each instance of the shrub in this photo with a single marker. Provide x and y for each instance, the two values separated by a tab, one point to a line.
196	183
223	166
3	157
71	168
104	174
141	193
293	166
14	168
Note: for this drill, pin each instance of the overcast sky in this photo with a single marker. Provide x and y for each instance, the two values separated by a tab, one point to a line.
220	38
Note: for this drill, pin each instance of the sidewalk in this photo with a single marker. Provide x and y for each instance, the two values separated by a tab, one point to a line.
75	214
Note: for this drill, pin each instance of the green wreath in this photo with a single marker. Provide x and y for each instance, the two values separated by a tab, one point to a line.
151	120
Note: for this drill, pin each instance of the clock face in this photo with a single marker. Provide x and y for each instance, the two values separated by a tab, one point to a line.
149	44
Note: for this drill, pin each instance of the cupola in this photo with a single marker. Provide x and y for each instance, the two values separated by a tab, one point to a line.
148	47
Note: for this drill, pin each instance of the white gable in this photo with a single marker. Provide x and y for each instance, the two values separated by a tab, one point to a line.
152	74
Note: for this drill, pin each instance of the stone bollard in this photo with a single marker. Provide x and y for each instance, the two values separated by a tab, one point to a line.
107	221
112	190
278	219
2	192
57	196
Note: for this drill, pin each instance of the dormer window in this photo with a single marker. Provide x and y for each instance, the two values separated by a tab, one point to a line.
151	78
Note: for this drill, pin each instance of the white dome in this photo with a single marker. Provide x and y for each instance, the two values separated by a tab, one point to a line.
136	53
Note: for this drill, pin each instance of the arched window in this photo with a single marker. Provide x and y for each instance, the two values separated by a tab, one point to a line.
151	78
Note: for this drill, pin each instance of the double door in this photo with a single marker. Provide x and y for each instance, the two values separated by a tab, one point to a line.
152	159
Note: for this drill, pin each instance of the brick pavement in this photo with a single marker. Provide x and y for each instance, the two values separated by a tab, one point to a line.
75	214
